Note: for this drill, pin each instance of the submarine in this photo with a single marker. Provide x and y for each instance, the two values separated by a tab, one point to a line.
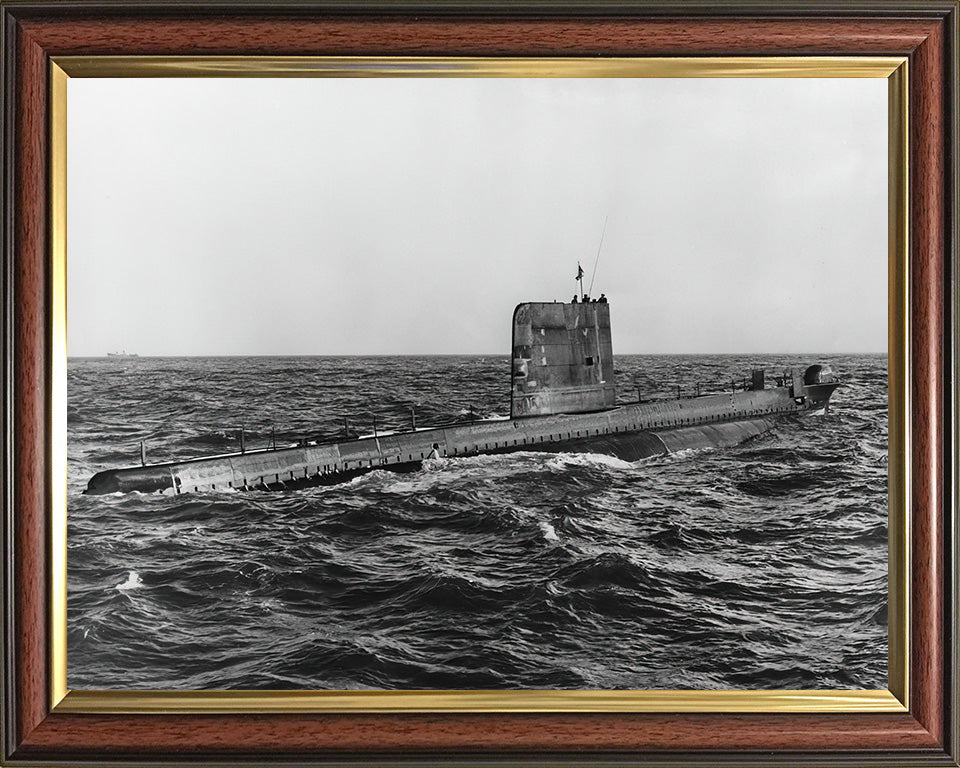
563	398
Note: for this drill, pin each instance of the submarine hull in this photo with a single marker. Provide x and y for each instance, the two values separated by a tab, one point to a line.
563	395
631	432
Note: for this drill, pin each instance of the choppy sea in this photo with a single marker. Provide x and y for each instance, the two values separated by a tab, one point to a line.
759	566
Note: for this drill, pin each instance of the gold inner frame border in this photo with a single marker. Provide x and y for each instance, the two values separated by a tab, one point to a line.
892	699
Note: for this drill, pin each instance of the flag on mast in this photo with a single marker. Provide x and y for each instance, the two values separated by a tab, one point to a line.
579	272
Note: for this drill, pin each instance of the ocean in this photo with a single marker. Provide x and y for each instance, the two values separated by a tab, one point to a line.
761	566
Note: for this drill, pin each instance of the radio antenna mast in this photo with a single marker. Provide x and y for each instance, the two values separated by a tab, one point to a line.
597	261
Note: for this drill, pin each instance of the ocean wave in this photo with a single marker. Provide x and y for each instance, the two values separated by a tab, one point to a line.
762	565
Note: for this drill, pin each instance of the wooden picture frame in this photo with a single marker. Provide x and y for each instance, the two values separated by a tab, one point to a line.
37	730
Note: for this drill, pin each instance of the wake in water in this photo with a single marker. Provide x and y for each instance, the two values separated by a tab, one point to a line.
761	566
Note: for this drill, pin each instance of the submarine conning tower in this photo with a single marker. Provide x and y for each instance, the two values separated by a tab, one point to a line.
562	359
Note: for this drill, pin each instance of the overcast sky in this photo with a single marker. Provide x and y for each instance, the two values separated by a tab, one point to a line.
409	216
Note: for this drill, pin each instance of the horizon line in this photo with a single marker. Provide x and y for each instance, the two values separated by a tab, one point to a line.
466	354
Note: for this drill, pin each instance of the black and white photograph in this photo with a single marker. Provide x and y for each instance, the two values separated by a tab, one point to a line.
467	383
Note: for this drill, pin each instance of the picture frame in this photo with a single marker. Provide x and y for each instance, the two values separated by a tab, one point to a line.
43	722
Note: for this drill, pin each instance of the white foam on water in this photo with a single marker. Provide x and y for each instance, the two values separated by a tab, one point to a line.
564	460
434	471
133	582
549	532
372	477
685	453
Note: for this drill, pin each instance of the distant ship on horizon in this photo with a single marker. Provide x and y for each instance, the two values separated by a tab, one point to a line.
122	355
